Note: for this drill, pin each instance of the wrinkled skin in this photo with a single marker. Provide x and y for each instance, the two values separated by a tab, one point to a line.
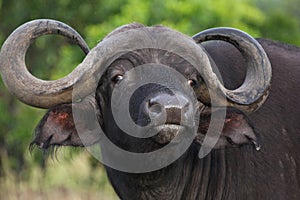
234	170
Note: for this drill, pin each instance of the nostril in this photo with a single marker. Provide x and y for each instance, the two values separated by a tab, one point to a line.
154	108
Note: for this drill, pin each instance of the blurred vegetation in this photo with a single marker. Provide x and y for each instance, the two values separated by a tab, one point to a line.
51	57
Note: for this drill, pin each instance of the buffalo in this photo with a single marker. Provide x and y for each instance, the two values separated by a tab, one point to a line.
222	106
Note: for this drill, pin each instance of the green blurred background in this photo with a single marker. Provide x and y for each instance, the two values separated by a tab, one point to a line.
74	174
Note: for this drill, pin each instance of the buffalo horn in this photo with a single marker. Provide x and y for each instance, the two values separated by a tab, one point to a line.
20	82
253	92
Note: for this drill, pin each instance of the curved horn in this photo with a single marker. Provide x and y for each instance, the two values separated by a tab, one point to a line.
40	93
20	82
257	82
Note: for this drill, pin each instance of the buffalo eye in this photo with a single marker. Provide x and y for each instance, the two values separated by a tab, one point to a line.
192	82
117	78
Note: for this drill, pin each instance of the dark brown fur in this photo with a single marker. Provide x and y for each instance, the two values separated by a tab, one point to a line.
230	173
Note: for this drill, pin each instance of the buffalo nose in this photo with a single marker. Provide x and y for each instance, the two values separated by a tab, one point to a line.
168	109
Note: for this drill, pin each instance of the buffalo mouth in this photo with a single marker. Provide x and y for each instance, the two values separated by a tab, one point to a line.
169	133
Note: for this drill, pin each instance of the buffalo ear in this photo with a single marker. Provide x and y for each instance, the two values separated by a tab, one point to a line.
58	127
237	129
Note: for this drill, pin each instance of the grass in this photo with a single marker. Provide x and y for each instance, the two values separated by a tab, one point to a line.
64	178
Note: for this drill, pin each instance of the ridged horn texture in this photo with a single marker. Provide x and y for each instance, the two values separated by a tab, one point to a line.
84	79
253	92
19	81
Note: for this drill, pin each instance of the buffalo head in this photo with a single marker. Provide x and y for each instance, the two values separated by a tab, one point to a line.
164	110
